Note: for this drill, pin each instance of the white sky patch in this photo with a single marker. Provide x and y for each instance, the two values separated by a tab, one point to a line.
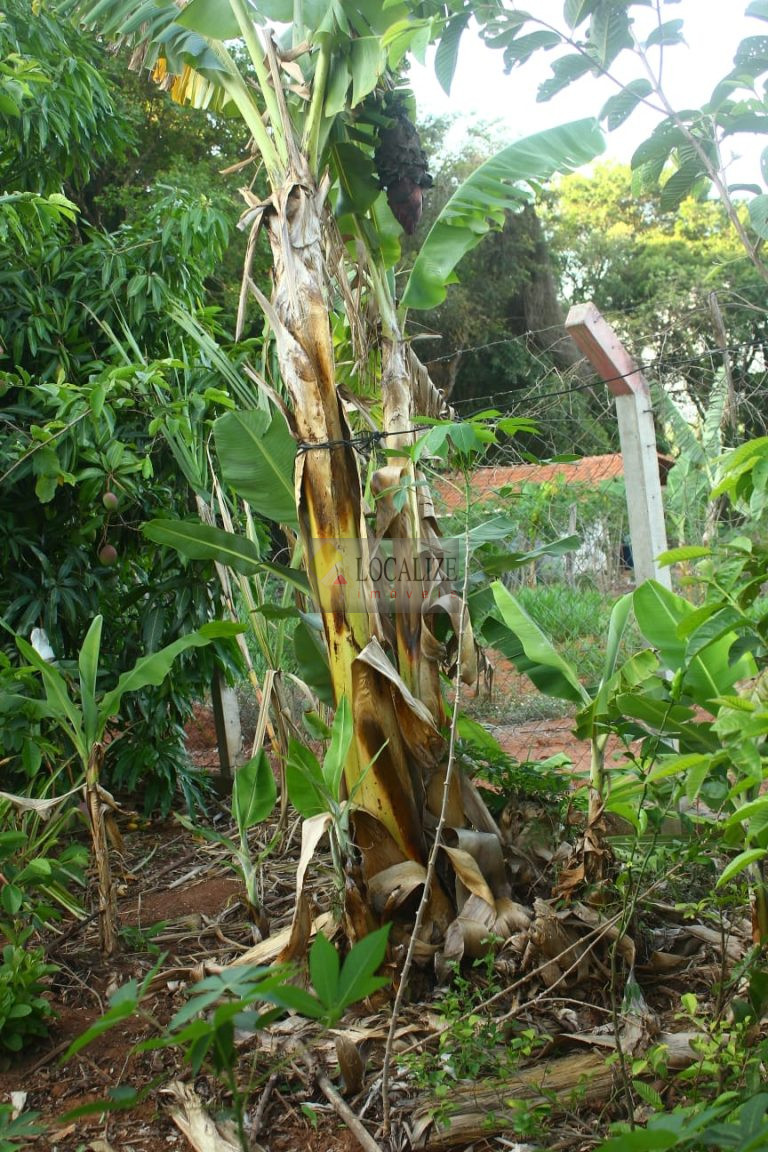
482	91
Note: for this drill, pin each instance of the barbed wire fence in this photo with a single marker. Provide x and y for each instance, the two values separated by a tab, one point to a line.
579	491
703	403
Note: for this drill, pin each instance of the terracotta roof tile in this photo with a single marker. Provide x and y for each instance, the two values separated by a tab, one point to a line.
486	483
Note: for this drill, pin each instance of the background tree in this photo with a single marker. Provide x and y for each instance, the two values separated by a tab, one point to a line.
86	287
499	339
653	272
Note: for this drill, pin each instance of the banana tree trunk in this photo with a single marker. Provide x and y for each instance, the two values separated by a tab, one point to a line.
415	540
329	501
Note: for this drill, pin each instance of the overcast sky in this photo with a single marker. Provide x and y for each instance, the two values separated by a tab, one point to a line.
481	90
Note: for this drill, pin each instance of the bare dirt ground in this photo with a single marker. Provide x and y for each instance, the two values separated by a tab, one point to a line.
182	907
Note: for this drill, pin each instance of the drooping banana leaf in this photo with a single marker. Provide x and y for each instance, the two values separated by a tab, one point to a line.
521	640
499	185
152	670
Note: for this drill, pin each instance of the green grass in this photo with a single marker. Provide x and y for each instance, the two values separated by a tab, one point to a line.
567	613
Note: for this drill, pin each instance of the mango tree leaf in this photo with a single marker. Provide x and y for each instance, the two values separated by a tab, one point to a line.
88	663
494	188
254	791
621	106
199	541
152	670
34	709
257	455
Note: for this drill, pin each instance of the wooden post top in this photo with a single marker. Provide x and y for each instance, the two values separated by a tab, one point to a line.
595	338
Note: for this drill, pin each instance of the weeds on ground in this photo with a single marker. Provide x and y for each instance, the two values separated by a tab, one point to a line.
499	776
475	1044
17	1129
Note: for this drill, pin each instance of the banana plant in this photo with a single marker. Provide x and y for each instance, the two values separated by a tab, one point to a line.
519	637
332	129
692	478
84	714
706	711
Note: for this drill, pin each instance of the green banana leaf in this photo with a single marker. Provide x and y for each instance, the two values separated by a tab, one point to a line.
304	781
257	455
57	696
88	663
523	642
312	659
254	792
480	204
709	671
336	756
588	718
153	669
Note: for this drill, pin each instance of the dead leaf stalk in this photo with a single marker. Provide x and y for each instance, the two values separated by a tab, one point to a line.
339	1105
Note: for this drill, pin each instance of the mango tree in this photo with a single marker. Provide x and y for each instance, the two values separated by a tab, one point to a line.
320	85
